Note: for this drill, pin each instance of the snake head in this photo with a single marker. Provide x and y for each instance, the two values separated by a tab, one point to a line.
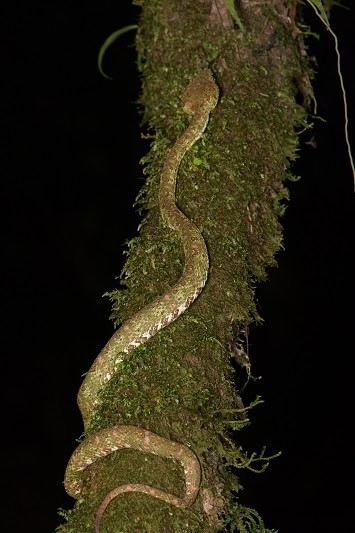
201	94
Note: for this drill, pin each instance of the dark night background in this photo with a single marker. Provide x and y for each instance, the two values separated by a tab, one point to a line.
71	146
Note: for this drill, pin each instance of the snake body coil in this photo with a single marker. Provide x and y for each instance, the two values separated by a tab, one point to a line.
199	99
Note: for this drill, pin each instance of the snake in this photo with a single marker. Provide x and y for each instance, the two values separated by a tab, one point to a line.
199	98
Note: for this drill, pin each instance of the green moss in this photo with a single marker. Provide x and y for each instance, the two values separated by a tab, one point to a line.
231	184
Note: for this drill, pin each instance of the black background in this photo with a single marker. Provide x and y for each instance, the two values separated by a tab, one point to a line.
70	151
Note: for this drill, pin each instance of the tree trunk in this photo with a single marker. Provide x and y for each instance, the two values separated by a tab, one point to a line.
179	385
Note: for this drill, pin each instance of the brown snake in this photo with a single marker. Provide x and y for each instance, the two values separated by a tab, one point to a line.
198	100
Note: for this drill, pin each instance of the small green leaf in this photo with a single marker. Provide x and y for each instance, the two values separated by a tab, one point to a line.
319	5
197	161
231	8
111	39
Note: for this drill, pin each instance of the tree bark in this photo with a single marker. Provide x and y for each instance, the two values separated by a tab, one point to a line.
231	185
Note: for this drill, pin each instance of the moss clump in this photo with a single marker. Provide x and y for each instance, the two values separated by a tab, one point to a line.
231	184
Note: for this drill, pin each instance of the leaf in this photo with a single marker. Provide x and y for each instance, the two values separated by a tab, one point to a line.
338	4
231	8
319	5
111	39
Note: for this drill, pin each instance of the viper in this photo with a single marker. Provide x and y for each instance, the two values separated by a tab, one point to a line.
198	100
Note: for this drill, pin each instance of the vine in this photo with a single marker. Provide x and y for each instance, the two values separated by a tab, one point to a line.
319	10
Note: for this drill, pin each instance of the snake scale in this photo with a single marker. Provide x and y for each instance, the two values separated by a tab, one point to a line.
199	98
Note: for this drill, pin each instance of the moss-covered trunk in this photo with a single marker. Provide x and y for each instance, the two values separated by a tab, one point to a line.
231	184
